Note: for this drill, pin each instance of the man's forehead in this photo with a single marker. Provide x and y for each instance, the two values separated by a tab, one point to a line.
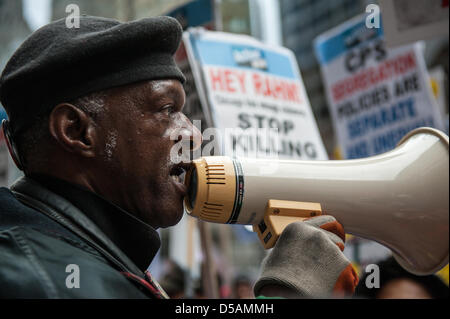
165	84
161	88
150	90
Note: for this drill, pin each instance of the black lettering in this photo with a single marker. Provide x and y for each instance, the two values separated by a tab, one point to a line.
244	122
380	51
260	119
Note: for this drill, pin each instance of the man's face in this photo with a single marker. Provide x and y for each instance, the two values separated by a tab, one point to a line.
140	125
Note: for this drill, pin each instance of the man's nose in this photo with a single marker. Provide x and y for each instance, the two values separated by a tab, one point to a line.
192	133
196	138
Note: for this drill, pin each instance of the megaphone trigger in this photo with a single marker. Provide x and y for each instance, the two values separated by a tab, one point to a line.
279	214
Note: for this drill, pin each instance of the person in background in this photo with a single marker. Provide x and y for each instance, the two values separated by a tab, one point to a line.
397	283
242	287
173	280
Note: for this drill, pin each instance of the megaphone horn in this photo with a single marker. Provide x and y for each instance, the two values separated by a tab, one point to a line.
399	198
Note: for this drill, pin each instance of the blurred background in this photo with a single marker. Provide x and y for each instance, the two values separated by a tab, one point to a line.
235	252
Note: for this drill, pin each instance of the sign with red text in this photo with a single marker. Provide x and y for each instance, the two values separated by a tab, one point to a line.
376	95
248	87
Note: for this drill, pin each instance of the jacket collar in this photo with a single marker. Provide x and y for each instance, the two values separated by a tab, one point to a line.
124	236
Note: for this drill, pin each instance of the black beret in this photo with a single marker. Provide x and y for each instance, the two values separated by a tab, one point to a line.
58	64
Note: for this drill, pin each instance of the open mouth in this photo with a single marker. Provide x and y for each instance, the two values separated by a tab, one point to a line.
178	172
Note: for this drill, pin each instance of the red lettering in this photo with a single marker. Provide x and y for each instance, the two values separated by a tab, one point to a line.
268	91
229	81
372	76
257	83
293	93
216	79
241	78
276	88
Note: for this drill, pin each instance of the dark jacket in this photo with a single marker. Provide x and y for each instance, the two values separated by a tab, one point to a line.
49	233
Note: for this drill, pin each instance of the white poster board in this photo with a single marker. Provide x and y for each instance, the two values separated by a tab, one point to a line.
376	95
247	86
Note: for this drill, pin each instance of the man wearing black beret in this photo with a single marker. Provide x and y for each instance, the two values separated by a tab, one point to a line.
93	112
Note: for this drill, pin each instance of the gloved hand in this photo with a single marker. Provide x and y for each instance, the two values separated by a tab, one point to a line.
307	261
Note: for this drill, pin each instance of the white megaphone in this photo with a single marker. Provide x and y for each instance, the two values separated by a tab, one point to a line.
399	198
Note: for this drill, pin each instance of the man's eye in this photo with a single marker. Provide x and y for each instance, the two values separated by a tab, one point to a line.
169	109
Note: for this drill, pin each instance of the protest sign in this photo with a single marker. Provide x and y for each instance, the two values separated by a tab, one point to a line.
376	95
249	86
438	83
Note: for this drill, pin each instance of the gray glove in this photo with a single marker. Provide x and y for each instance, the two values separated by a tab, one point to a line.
307	261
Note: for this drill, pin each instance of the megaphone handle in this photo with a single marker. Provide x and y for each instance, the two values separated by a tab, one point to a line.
279	214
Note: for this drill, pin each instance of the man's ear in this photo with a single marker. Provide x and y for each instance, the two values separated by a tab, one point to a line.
73	129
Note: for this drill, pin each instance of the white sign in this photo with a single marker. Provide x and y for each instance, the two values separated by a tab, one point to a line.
248	87
376	95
